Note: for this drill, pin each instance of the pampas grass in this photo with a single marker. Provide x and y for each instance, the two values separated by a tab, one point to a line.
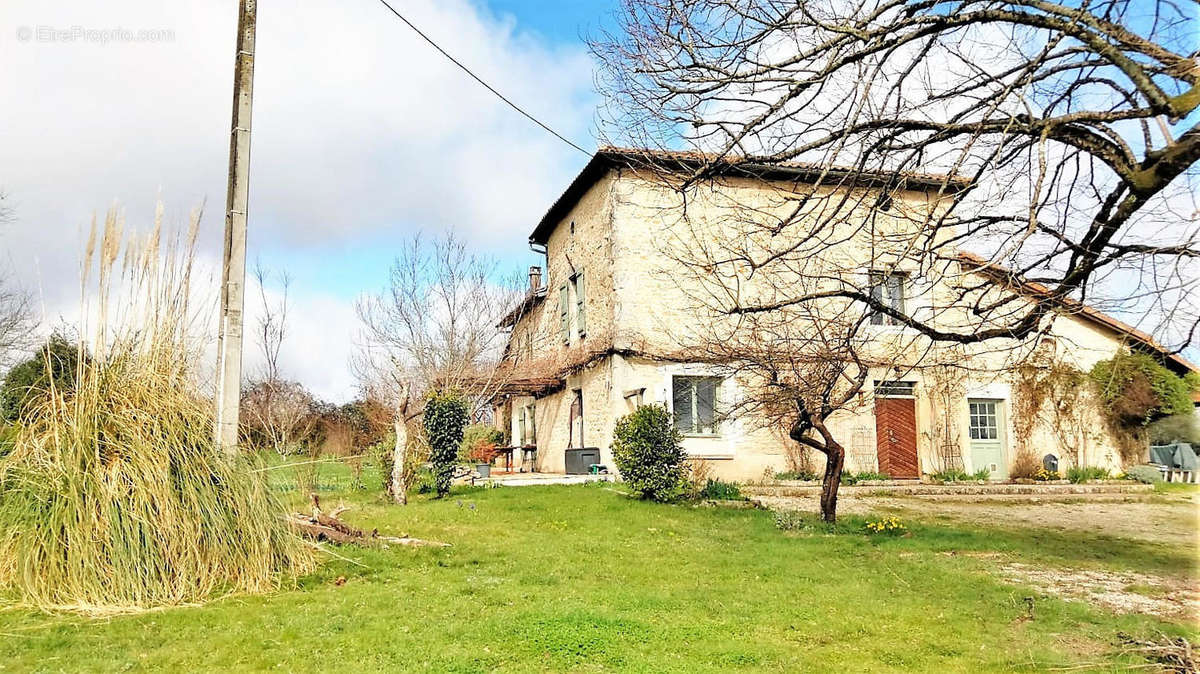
115	496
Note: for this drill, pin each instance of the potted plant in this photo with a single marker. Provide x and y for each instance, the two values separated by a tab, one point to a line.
482	454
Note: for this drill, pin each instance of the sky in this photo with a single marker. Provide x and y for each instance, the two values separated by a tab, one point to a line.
362	136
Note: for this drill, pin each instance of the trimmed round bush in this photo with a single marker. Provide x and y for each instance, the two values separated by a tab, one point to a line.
648	451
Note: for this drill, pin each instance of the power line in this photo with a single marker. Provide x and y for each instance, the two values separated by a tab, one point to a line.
475	77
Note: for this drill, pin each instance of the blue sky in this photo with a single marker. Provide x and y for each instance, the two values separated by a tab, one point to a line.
563	21
363	135
347	268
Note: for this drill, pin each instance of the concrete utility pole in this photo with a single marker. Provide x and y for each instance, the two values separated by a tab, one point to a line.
233	269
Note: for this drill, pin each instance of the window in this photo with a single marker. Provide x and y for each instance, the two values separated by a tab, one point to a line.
695	402
577	282
889	388
983	420
888	289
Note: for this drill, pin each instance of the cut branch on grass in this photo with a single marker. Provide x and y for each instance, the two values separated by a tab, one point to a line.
329	528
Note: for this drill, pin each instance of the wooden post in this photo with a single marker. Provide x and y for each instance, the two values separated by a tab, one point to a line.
233	268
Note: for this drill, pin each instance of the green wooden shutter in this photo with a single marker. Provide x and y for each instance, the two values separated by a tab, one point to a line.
562	311
521	428
532	424
579	304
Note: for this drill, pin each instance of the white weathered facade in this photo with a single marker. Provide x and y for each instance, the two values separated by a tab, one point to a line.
608	329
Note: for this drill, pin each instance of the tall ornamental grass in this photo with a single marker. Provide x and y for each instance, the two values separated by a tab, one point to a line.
115	496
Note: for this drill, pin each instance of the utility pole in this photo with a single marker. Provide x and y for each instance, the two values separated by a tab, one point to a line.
233	268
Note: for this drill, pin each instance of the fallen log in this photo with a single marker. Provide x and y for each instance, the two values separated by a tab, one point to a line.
329	528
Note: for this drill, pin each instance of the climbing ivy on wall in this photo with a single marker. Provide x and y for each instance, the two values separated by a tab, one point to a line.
1059	396
445	418
1136	389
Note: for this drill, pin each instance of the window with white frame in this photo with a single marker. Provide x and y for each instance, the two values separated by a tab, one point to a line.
695	402
889	289
984	420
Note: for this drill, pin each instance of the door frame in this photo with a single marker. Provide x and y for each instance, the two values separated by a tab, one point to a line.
916	447
1001	429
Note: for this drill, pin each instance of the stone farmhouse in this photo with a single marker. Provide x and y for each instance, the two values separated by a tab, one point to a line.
603	329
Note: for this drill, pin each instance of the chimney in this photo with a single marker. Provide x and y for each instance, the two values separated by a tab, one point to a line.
535	279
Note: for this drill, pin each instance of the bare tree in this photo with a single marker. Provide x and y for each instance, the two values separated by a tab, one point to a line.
279	414
798	374
1058	146
275	411
272	324
1067	133
17	322
435	326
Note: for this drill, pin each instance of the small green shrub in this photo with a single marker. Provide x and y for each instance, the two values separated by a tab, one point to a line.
718	490
802	476
1144	474
1080	475
790	520
648	451
959	475
383	453
445	418
56	362
849	478
950	475
425	482
476	435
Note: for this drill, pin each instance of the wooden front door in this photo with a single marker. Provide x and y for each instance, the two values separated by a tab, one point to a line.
896	437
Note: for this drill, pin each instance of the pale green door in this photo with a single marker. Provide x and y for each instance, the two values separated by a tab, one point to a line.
987	436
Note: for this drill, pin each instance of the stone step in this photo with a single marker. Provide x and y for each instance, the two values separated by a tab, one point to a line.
972	490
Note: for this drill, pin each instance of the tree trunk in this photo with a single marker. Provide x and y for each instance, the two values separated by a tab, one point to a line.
400	452
835	459
399	488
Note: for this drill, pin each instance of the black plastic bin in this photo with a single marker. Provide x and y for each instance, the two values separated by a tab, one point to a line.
580	460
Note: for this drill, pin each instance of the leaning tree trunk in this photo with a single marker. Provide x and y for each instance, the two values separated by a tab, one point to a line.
835	459
399	487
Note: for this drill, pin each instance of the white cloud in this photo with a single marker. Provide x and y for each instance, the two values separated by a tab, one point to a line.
361	132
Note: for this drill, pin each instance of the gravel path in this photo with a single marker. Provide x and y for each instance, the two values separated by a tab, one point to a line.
1171	518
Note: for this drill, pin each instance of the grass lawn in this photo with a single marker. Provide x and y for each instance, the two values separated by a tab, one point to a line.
584	578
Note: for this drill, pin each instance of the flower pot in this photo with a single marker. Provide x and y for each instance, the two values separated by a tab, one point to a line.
484	469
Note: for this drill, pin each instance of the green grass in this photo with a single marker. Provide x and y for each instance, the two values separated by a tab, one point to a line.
583	578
